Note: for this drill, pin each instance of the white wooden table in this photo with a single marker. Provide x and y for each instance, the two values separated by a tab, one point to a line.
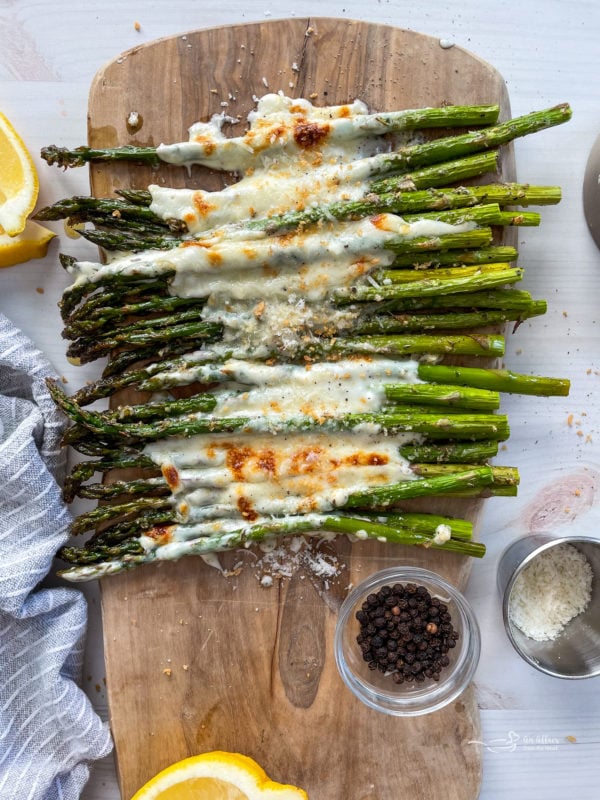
541	735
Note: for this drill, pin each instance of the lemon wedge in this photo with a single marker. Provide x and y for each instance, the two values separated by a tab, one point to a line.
216	776
32	242
19	183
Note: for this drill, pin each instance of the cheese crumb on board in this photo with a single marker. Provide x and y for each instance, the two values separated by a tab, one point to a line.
553	589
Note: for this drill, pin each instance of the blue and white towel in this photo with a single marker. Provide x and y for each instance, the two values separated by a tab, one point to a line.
49	732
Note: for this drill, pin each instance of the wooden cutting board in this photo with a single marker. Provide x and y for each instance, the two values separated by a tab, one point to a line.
196	661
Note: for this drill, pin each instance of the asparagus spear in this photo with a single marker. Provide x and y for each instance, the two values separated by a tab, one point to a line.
476	238
86	469
456	320
83	555
126	359
444	174
386	496
505	482
83	208
76	292
475	426
130	240
407	522
500	380
382	497
245	148
439	395
113	299
150	520
145	412
415	155
428	524
428	285
114	213
394	276
83	352
505	479
424	344
130	554
149	487
485	255
146	239
90	519
450	452
139	197
421	408
505	299
63	157
410	202
94	330
169	373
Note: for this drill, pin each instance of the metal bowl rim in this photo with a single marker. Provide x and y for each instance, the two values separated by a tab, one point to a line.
506	599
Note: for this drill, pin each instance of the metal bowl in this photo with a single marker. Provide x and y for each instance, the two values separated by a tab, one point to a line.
575	653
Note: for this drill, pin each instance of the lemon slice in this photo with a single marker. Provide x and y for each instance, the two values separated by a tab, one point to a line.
216	776
31	243
19	183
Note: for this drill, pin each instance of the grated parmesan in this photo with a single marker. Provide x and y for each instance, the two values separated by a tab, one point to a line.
550	592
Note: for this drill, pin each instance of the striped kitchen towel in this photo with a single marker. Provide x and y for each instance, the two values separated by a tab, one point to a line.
49	732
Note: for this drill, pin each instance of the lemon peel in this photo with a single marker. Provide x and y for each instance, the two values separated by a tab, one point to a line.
32	242
19	184
217	775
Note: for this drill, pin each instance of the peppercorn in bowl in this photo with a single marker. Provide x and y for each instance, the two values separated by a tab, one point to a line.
406	641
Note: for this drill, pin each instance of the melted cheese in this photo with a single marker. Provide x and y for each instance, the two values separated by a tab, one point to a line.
263	285
318	390
211	256
293	155
255	476
278	124
218	459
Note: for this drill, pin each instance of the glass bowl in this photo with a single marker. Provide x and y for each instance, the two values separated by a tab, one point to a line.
377	689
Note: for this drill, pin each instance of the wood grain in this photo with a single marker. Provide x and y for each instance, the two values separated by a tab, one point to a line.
196	661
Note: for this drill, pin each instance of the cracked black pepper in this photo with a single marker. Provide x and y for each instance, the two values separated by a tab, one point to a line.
406	633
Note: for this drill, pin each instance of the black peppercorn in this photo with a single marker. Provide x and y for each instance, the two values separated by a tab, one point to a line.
406	633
